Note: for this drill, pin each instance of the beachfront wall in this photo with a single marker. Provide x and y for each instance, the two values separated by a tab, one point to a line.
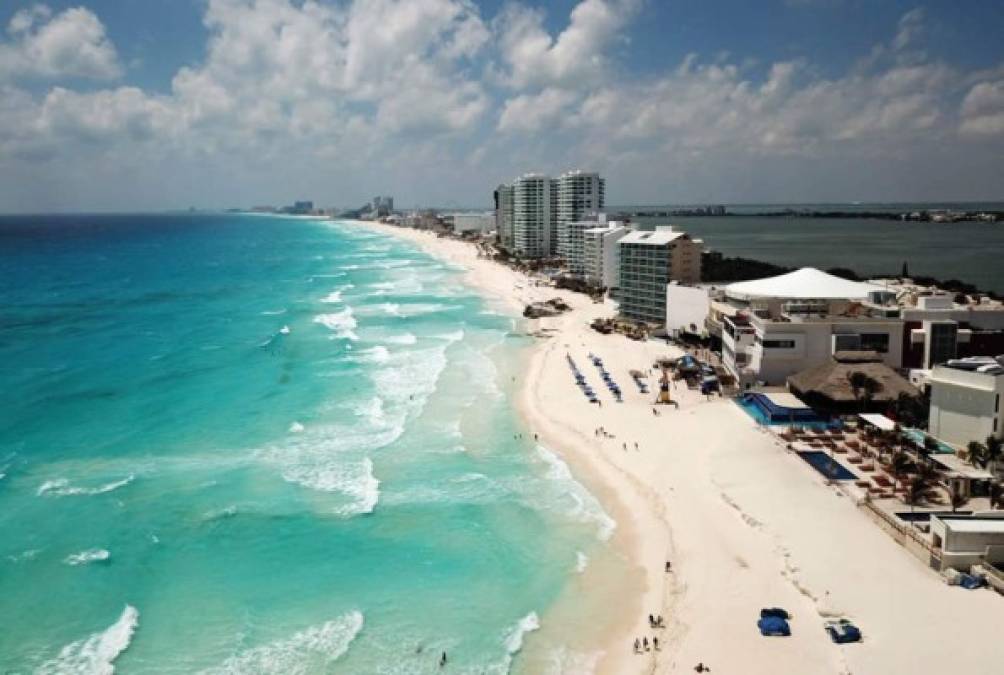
686	308
965	405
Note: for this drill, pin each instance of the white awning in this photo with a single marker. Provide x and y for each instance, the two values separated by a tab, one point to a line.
956	465
880	421
807	283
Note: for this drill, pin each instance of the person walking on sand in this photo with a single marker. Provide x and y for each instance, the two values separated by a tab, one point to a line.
637	646
655	643
644	642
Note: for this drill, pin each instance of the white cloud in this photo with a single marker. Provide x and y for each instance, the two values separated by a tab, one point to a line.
427	94
575	57
72	43
983	109
533	112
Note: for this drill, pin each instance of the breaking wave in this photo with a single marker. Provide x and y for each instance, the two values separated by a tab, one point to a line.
61	487
342	323
96	654
314	649
583	507
89	556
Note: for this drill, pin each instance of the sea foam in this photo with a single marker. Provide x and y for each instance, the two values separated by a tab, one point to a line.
577	502
87	557
61	487
96	654
342	323
314	649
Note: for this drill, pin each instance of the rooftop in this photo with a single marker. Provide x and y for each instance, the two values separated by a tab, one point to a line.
832	381
972	524
807	283
986	365
658	237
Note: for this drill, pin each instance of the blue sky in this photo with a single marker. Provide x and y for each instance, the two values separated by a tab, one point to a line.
148	104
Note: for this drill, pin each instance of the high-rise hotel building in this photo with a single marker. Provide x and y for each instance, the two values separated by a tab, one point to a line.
535	216
580	194
534	212
504	216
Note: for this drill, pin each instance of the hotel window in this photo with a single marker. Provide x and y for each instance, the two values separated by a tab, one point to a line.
875	342
779	344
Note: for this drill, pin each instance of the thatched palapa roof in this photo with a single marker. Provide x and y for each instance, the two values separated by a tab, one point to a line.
832	380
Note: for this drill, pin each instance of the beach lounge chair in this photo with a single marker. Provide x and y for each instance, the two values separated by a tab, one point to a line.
843	631
773	626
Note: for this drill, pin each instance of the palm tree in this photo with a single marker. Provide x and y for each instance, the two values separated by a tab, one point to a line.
977	454
929	447
996	495
869	387
857	382
994	450
900	464
918	488
959	499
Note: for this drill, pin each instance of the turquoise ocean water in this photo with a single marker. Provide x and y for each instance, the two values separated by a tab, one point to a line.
238	444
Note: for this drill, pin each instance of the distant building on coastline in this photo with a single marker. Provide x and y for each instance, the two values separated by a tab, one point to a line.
299	208
580	193
381	206
467	222
534	213
534	216
649	260
504	216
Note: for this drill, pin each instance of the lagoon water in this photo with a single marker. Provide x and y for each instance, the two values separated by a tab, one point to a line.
969	251
238	444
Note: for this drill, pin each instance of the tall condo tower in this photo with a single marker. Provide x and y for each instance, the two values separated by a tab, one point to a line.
535	215
580	193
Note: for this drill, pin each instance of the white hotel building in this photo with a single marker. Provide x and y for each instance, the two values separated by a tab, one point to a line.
580	193
600	253
648	261
785	324
535	216
966	400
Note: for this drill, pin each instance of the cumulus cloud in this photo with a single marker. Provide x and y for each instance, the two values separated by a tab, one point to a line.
707	105
577	55
983	109
72	43
450	101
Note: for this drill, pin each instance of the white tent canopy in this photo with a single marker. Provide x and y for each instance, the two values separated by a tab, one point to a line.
807	283
880	421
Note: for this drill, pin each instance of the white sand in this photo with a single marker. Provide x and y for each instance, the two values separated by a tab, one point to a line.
745	524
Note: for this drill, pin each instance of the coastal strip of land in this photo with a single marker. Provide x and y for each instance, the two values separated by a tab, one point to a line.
744	522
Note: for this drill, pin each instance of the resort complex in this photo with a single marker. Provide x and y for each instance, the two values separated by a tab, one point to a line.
888	389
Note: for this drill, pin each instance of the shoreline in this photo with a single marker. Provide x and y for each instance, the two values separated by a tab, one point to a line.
622	498
753	525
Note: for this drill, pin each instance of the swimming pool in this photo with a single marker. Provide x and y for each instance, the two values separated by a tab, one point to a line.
826	465
917	436
765	411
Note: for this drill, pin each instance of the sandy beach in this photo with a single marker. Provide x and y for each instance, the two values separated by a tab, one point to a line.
745	523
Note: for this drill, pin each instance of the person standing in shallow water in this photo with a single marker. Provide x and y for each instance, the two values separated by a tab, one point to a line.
442	660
